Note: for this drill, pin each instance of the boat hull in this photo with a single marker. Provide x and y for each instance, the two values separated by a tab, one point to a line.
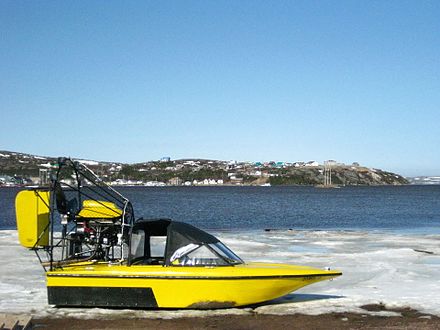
177	287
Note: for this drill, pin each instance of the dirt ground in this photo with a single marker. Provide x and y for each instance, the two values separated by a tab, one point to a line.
410	319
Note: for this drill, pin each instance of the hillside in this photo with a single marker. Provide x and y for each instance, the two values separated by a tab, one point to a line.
18	168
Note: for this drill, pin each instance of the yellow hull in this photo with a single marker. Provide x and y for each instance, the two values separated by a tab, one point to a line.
101	284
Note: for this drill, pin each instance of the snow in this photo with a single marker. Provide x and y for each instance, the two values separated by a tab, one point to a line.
397	270
377	268
47	165
88	162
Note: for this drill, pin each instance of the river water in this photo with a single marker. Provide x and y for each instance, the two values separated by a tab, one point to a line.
396	208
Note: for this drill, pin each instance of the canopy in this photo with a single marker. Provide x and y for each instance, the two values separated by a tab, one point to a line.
179	234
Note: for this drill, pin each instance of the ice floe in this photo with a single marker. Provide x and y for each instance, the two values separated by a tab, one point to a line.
397	270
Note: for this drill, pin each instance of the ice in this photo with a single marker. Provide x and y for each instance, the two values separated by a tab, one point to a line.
396	270
378	268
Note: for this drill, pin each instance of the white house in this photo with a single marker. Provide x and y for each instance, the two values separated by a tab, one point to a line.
312	163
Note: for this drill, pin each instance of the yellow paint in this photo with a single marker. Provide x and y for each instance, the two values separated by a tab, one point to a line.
32	213
99	209
197	286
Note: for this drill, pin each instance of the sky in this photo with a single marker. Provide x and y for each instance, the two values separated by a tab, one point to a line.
132	81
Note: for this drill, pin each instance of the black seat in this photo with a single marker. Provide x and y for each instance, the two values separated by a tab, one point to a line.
64	206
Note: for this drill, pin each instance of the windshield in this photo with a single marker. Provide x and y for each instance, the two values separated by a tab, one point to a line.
214	254
226	253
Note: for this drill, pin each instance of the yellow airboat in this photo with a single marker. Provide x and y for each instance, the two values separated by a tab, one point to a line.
96	254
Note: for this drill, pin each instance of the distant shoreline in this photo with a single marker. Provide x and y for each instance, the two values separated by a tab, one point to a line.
245	185
19	168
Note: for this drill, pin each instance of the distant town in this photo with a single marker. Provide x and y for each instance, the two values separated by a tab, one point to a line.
19	169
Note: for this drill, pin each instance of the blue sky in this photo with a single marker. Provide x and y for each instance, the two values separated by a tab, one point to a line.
248	80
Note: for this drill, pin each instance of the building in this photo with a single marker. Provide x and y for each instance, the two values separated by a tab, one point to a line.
312	163
176	181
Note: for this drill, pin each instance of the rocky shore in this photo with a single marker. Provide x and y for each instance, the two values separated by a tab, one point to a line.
25	169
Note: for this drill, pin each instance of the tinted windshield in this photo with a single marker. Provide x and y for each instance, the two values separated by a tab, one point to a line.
214	254
226	253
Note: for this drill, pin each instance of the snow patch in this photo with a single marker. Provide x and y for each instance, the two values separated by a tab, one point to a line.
87	162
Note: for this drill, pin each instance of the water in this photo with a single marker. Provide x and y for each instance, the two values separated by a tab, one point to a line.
396	208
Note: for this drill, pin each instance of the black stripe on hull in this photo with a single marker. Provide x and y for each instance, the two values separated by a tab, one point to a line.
101	296
264	277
